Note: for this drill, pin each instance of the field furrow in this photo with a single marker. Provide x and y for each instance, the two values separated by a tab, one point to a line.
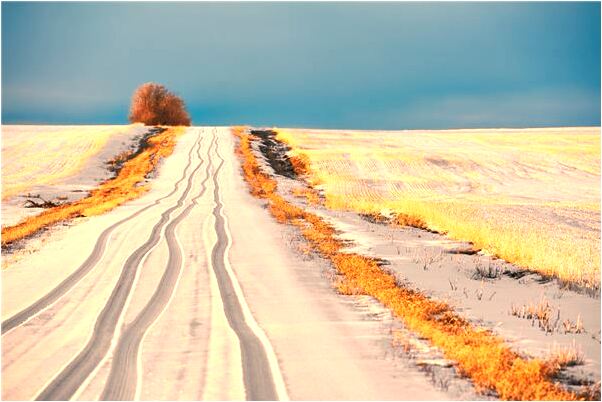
530	196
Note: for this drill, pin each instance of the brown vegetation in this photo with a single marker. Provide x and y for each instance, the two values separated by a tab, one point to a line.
300	164
42	203
567	356
402	219
310	194
478	353
543	313
115	163
154	105
124	187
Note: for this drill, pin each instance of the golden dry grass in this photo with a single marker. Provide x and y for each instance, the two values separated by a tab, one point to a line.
531	196
108	195
479	354
31	157
311	195
566	356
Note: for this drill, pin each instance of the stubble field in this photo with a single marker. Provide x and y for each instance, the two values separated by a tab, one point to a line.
46	155
529	196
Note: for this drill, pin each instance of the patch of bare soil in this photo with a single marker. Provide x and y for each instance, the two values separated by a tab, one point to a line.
274	153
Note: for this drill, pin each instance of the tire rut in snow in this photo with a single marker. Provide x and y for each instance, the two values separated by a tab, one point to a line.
122	382
90	262
68	381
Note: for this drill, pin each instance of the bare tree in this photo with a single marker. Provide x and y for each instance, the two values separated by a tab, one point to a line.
153	104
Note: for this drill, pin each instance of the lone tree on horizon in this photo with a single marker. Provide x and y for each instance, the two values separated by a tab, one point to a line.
155	105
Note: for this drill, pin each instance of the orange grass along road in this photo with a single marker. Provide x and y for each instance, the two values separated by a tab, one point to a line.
479	354
126	186
529	196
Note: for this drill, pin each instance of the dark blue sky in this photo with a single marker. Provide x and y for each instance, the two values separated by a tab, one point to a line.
330	65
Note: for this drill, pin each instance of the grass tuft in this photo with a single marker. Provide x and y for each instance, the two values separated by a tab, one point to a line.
567	356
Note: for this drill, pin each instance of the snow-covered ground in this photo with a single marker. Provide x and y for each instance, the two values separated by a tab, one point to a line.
187	333
57	161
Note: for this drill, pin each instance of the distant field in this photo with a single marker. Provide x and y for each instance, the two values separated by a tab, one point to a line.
44	155
76	157
530	196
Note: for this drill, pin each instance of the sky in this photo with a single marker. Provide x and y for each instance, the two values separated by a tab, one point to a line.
322	65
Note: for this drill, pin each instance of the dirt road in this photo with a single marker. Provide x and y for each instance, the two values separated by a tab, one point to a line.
191	292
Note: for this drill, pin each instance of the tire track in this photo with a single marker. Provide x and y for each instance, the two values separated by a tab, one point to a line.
97	253
67	382
123	378
257	369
